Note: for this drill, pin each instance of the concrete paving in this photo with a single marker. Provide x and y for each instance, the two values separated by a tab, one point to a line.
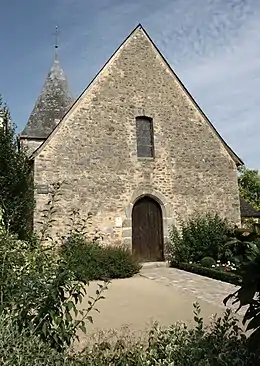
158	294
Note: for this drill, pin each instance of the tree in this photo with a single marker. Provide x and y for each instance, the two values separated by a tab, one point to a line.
248	295
249	186
16	180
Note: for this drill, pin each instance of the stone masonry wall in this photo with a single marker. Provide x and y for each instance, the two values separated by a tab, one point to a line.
93	150
31	144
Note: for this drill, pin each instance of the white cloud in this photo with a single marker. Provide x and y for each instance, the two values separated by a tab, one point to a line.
227	88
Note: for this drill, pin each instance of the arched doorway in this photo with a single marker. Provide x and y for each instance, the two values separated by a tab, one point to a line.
147	230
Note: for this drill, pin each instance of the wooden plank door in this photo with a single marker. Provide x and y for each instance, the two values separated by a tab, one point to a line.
147	230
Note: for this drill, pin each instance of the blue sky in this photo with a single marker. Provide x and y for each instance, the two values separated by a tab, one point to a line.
213	45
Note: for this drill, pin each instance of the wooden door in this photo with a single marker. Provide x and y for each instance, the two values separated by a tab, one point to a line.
147	230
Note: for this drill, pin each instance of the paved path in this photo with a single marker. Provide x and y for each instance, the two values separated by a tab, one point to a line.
204	288
156	294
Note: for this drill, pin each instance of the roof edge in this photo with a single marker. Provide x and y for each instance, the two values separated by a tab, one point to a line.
247	210
28	137
55	72
235	157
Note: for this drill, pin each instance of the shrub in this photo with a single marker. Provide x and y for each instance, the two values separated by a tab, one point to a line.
200	236
249	293
41	292
38	291
209	272
23	348
16	179
92	261
207	262
238	244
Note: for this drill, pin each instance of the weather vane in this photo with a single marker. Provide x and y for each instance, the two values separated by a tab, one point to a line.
56	44
57	33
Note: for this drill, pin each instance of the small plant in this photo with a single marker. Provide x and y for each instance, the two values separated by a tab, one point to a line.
228	267
25	348
208	262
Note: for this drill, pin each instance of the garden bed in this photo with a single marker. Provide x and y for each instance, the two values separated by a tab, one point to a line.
229	277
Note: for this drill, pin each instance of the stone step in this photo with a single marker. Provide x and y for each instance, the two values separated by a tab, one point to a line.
150	265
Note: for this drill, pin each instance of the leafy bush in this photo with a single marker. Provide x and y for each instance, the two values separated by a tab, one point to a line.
91	261
249	186
23	348
238	244
207	262
200	236
209	272
249	293
41	292
16	180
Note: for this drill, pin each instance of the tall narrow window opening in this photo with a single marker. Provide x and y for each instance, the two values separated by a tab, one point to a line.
144	136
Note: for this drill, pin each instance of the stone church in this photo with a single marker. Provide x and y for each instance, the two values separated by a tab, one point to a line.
134	149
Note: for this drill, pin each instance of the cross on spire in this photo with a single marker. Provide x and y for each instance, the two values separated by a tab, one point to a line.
57	33
56	45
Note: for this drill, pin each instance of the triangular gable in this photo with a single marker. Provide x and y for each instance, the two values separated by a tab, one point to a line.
236	159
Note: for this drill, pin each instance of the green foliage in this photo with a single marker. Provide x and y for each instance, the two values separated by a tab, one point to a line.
25	348
238	244
200	236
222	344
249	186
92	261
209	272
41	293
249	293
38	292
207	262
16	180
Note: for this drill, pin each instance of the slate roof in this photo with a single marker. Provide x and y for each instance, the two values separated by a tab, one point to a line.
247	210
52	104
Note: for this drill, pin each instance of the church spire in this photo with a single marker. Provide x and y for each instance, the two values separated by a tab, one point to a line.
52	103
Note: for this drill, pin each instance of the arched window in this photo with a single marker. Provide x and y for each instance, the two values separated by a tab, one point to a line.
144	137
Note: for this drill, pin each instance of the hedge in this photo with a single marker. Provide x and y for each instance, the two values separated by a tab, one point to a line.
209	272
92	261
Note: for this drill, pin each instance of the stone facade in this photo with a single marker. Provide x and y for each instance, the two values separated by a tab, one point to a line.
31	144
93	150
